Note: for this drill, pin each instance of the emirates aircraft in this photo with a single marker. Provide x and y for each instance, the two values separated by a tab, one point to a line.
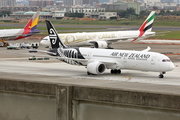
98	60
16	34
105	39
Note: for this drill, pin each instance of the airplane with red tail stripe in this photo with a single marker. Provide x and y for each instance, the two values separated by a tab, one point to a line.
105	39
16	34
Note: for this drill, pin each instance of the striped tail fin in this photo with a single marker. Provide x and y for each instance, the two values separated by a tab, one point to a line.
147	25
35	20
30	27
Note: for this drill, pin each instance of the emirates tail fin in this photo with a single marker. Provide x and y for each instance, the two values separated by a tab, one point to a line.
147	24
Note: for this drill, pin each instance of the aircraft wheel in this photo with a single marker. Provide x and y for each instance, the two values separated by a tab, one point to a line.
88	73
115	71
161	76
112	71
119	71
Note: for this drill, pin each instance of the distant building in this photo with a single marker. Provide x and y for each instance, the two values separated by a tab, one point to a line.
7	3
23	9
122	6
27	15
177	1
58	13
100	15
41	3
68	2
91	2
167	0
104	1
152	2
80	2
84	10
108	7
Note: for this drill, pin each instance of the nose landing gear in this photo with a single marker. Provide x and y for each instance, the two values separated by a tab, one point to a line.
161	74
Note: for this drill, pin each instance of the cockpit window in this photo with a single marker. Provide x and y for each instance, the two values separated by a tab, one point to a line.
166	60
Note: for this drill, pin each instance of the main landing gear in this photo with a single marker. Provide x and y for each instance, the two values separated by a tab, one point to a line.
115	71
88	73
161	74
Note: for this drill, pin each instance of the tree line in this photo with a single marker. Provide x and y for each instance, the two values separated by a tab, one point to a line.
4	12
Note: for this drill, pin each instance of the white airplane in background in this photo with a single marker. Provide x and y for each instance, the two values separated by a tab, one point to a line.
15	34
104	39
98	60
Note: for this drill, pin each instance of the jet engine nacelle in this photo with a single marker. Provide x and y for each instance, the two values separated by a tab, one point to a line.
100	44
96	68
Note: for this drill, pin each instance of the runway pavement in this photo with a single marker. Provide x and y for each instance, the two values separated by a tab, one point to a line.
16	61
79	72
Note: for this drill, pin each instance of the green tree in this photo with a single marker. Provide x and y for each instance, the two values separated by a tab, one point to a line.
123	14
143	13
79	15
5	12
162	12
131	11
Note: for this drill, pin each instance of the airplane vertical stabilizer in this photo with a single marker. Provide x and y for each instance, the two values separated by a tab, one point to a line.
148	23
32	24
30	27
53	36
35	20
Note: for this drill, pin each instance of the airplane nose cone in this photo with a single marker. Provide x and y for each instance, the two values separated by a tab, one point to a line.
43	42
171	66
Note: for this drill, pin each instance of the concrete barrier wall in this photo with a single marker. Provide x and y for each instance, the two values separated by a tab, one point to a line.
27	100
127	97
103	111
15	106
73	102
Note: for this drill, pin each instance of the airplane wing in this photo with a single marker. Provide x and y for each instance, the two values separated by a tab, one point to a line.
44	51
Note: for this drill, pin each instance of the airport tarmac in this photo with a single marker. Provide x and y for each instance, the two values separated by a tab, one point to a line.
79	72
15	64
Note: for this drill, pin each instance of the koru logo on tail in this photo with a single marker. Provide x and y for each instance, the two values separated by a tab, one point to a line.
52	36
